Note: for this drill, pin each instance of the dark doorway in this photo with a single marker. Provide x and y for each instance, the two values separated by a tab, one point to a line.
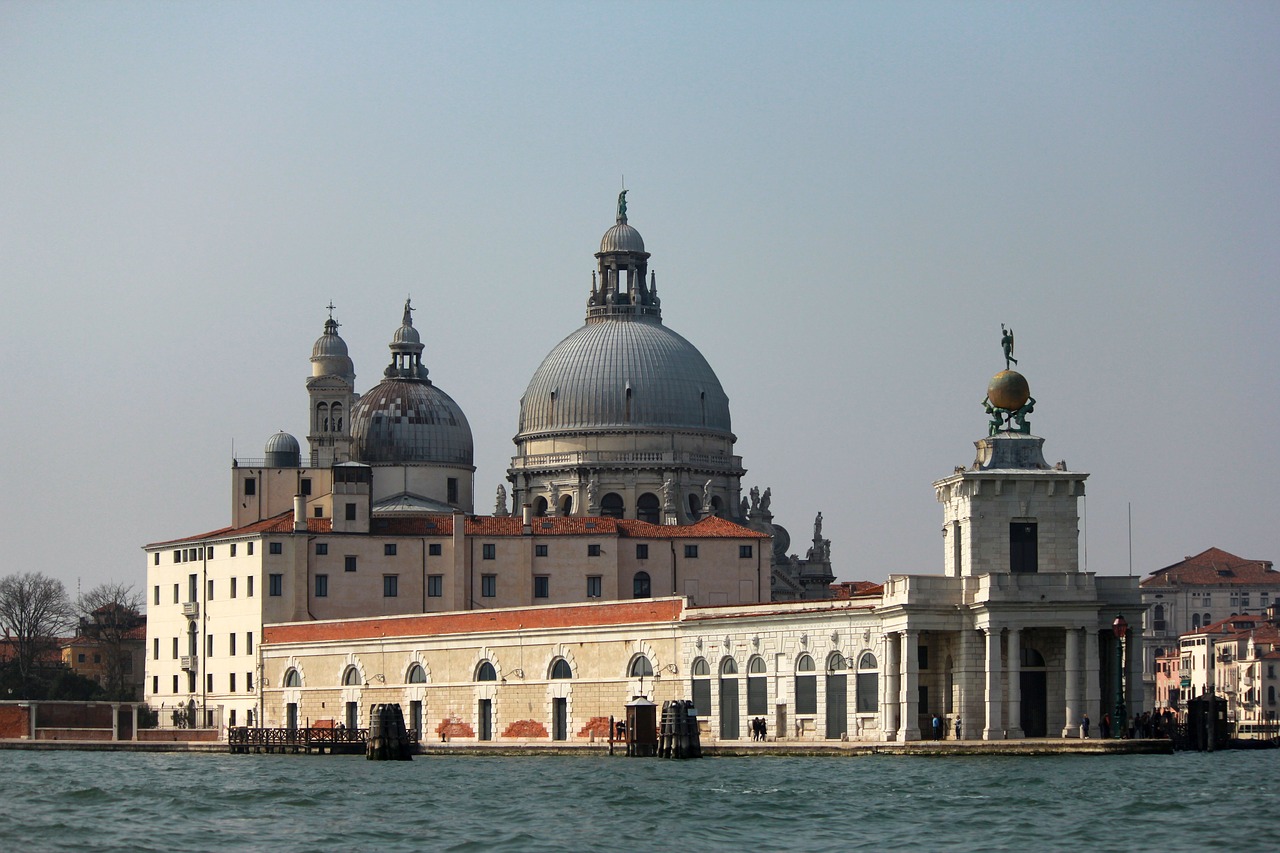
486	719
1035	705
291	716
837	706
560	719
353	715
728	708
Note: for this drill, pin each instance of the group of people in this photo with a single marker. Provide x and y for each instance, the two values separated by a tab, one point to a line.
1161	724
759	729
939	727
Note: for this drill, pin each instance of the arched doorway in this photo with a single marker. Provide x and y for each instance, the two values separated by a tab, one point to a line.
729	699
648	508
611	505
1035	704
539	507
837	697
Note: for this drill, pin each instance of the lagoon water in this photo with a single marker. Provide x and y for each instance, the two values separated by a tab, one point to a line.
180	802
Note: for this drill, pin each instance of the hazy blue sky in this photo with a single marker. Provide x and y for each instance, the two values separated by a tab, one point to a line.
843	203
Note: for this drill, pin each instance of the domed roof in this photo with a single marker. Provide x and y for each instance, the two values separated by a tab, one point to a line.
402	420
406	335
624	372
622	238
282	442
329	354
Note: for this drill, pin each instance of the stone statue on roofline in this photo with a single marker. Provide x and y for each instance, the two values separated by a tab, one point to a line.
500	504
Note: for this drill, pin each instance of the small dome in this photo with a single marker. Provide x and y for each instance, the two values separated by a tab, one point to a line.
406	335
329	354
622	238
283	451
403	420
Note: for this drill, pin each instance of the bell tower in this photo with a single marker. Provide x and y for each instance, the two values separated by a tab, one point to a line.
331	390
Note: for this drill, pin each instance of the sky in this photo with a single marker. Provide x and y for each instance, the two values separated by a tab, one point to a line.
843	203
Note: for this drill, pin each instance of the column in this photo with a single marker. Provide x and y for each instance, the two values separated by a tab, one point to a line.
1071	668
1092	685
963	674
910	686
992	728
1014	728
115	721
1136	698
889	696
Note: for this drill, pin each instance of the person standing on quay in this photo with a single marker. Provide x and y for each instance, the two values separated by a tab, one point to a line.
937	727
959	728
1084	727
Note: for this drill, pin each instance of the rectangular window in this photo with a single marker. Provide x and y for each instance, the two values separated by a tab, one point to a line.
275	547
349	563
351	512
642	551
593	586
691	551
488	586
305	487
489	551
541	586
209	597
233	550
248	682
1022	547
322	586
208	682
435	586
191	682
922	658
451	490
155	648
156	561
155	684
249	592
744	552
233	587
593	550
248	643
177	556
389	550
175	648
175	593
318	512
250	486
249	548
539	550
157	594
209	552
232	684
277	584
390	586
433	550
208	645
175	684
231	644
193	588
322	548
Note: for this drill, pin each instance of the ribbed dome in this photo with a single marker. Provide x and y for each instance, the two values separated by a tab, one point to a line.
583	383
329	354
282	442
406	335
407	420
622	238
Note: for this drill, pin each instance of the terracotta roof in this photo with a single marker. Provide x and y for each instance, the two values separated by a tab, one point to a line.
1214	567
856	589
282	523
473	621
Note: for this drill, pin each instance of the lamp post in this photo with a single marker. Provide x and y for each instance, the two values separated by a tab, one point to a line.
1120	724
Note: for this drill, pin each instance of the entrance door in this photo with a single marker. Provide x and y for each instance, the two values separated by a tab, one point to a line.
1035	705
353	716
728	709
291	716
486	719
837	706
560	719
415	719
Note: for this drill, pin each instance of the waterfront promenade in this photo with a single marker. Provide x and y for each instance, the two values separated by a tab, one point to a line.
1026	746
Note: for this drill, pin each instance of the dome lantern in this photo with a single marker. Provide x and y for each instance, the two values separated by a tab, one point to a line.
622	266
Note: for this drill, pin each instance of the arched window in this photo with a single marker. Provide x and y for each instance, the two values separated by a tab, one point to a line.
1195	620
702	687
1031	658
1157	617
351	677
292	678
335	417
641	667
566	505
539	507
322	417
757	687
806	686
695	505
611	505
417	675
648	508
561	669
1206	621
867	686
716	505
640	585
486	672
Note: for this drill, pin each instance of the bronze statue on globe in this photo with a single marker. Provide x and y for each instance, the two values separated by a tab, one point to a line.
1009	399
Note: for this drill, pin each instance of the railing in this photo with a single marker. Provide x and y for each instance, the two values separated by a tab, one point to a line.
244	739
657	457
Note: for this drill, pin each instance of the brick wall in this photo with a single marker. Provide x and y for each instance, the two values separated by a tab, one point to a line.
15	722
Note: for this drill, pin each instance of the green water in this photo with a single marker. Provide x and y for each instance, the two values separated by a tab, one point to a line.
169	802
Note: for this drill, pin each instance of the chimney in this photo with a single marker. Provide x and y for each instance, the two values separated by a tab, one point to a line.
526	515
299	514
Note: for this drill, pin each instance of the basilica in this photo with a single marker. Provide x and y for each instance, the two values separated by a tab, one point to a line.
625	561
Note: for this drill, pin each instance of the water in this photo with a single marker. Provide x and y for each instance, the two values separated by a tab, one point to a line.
177	802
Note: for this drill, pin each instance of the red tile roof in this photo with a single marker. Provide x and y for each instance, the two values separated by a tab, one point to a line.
856	589
1214	567
488	525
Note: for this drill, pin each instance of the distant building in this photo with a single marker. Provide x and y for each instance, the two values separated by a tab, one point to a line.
1237	658
1199	591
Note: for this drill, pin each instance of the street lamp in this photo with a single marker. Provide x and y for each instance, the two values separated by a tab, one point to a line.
1120	724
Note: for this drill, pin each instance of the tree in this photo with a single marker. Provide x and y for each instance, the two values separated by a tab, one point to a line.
34	609
109	615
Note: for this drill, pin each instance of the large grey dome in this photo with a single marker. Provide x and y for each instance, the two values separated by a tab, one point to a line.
410	420
624	372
